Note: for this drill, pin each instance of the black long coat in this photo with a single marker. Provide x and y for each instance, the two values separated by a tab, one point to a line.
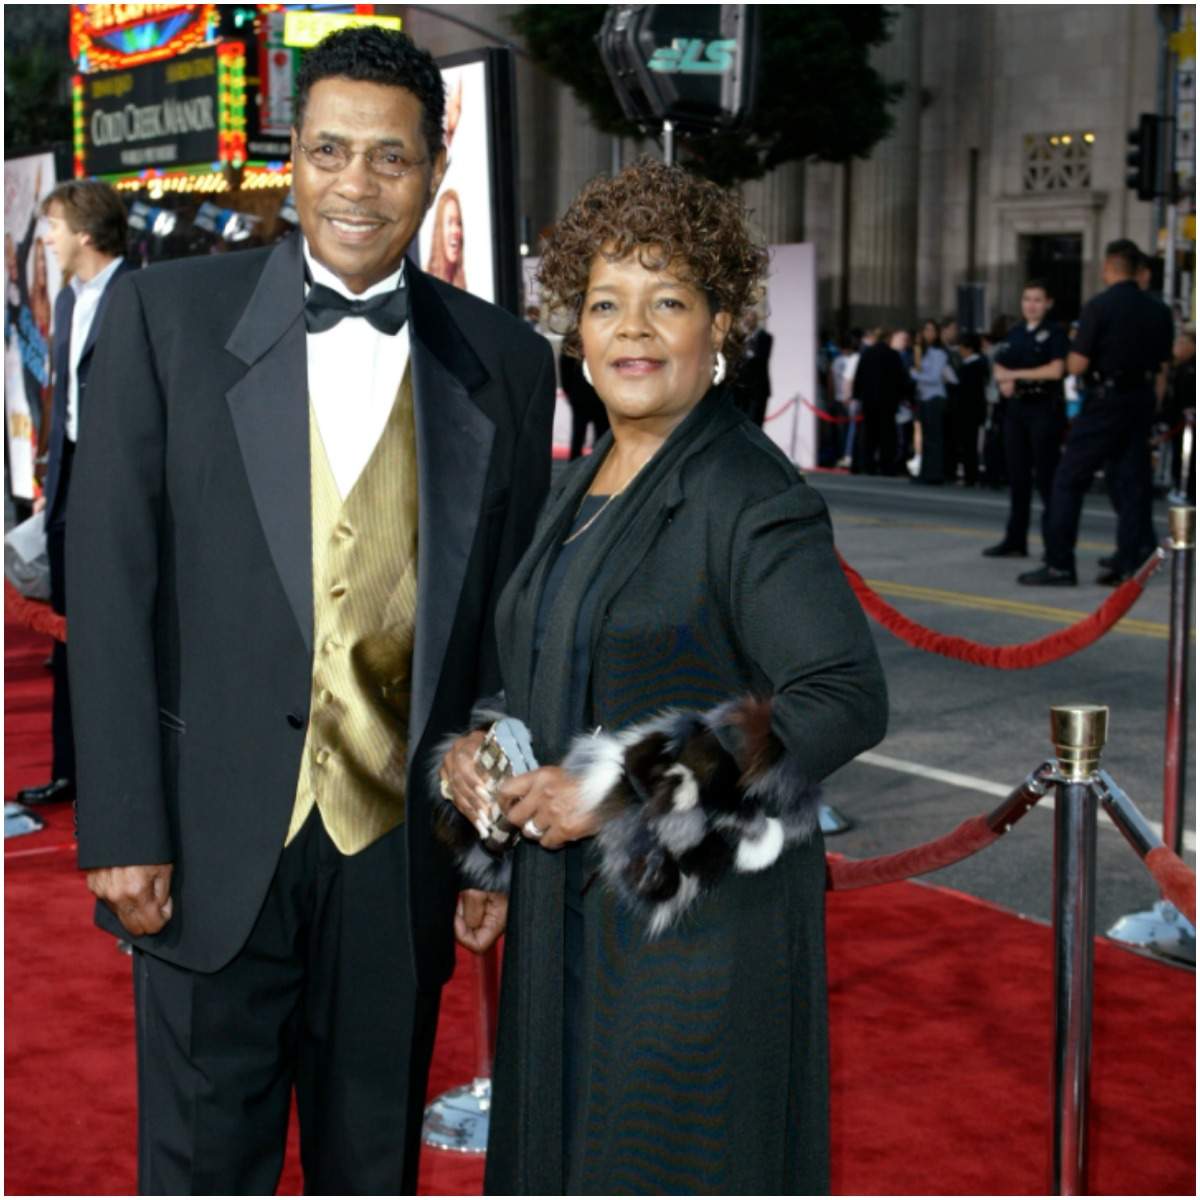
705	1055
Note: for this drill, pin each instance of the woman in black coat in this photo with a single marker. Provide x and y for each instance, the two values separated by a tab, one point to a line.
684	647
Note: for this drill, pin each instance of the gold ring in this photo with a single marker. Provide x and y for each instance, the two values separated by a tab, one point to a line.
447	790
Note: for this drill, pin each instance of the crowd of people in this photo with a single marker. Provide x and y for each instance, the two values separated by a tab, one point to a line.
1001	409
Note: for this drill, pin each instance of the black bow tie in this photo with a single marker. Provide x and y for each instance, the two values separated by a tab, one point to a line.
324	308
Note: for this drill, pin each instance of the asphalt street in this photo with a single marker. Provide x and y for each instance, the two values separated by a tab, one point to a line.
920	548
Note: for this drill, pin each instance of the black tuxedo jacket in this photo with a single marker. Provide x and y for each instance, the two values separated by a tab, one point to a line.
880	379
64	310
189	532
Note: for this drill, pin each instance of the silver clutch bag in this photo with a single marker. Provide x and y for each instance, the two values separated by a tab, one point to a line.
507	750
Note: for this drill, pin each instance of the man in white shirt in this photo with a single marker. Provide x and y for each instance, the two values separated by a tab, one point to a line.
309	471
87	229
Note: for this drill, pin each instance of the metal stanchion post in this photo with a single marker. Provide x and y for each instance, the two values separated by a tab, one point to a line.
668	133
1079	733
458	1119
1183	551
1163	929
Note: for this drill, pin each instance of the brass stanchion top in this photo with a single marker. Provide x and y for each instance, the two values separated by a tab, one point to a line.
1182	522
1078	732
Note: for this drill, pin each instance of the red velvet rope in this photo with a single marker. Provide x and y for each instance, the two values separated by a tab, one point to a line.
1015	657
969	838
34	614
780	411
824	416
1175	879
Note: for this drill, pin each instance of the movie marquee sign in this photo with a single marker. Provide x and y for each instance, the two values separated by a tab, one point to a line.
160	114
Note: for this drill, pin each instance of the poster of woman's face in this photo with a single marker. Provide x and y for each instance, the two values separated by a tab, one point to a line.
455	242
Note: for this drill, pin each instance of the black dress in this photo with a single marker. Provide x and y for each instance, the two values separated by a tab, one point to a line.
695	1061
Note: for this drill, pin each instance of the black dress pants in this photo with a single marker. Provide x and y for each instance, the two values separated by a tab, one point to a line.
1113	431
62	731
962	446
932	413
1033	428
586	411
322	997
878	438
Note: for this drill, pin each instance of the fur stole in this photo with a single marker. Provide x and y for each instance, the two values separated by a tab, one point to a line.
682	799
686	797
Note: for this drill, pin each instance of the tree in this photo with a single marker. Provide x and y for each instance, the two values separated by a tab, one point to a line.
818	96
37	72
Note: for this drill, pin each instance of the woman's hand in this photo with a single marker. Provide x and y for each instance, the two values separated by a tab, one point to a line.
545	806
464	786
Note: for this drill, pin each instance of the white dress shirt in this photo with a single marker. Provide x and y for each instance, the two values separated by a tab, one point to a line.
87	300
354	372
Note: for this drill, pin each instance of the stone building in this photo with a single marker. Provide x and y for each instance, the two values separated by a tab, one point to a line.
1007	158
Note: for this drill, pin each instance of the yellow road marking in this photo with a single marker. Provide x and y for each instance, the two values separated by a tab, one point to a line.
961	530
1019	608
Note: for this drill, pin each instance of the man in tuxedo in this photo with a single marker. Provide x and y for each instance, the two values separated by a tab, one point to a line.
307	474
87	228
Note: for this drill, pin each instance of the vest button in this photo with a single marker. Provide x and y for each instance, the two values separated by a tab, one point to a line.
345	531
325	695
295	721
330	645
338	591
322	757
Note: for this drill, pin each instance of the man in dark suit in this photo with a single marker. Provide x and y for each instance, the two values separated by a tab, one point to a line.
752	384
879	385
87	229
308	472
586	407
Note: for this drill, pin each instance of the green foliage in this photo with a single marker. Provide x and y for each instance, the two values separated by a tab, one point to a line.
37	71
818	96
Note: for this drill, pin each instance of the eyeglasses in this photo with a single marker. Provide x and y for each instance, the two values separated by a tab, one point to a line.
382	160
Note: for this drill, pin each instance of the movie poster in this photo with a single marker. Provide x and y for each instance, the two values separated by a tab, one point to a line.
457	236
32	280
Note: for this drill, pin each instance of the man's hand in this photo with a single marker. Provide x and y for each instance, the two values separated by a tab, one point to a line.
140	897
39	503
480	919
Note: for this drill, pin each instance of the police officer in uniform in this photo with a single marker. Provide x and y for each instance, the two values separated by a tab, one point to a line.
1123	346
1029	368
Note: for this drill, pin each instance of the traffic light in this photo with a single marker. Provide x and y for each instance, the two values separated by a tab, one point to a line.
1149	156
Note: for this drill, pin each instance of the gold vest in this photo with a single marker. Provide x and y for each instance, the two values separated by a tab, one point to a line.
364	616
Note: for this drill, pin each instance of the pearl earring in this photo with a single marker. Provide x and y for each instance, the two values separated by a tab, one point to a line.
587	372
719	369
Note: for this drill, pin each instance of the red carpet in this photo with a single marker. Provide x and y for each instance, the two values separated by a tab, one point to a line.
940	1011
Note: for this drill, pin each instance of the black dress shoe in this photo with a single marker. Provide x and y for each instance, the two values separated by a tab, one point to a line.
1108	562
50	793
1114	577
1048	576
1004	550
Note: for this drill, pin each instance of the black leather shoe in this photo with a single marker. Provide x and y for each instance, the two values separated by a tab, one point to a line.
1004	550
50	793
1048	576
1114	577
1108	562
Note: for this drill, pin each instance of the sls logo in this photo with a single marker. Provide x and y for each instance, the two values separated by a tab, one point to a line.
691	56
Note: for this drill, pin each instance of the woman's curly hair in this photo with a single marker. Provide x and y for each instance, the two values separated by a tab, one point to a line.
667	215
